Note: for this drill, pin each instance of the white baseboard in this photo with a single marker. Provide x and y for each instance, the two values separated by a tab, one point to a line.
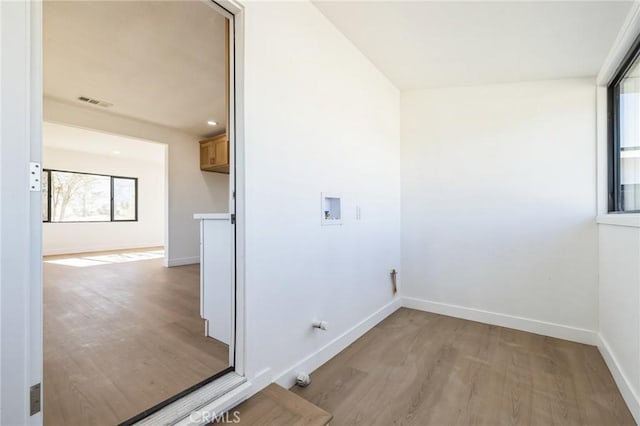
624	385
559	331
91	249
287	378
182	261
261	380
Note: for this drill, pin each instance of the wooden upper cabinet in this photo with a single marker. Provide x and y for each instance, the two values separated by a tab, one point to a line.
214	154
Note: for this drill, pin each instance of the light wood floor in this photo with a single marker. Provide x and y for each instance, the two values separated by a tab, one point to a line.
120	338
417	368
276	406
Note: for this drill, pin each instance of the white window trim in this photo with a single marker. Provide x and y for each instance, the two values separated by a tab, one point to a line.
631	220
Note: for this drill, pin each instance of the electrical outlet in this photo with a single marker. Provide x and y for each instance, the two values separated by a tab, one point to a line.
358	213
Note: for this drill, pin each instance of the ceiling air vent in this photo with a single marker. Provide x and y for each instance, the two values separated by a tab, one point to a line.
95	102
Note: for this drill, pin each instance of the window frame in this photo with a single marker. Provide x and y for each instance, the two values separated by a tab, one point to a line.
111	200
614	186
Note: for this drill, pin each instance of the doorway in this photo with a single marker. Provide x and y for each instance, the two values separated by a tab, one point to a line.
123	329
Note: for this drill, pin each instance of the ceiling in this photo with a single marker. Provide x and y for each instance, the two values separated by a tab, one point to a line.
89	141
161	62
425	44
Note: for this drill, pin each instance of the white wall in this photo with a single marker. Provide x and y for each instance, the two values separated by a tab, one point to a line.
619	248
190	190
148	231
319	117
498	204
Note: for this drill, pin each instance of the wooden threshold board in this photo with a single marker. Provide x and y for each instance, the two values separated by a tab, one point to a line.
276	406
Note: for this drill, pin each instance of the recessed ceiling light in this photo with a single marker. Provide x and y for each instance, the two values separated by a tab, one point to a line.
212	123
116	152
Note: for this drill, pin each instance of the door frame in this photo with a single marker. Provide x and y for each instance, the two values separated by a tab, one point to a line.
234	12
21	326
20	210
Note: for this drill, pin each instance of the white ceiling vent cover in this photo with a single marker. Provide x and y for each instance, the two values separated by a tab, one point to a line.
93	101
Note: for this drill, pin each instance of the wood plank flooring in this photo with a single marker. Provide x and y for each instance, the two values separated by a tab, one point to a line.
417	368
276	406
120	338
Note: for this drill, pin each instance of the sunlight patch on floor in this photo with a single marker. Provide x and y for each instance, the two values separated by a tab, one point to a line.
105	259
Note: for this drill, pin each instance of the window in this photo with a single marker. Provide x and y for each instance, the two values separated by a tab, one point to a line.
86	197
624	135
124	198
